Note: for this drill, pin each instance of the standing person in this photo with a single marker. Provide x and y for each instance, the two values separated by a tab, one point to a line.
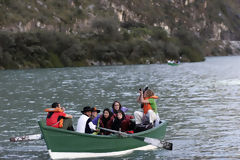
85	124
57	118
106	120
149	114
116	106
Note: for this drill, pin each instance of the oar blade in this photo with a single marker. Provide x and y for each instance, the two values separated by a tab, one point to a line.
158	143
167	145
26	138
152	141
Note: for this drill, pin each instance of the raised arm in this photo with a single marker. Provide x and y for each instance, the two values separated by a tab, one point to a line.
138	99
141	99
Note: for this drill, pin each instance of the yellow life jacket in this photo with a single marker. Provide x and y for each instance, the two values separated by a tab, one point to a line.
98	124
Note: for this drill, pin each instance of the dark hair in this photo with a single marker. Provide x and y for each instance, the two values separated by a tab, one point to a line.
55	104
105	120
120	106
110	113
123	114
118	122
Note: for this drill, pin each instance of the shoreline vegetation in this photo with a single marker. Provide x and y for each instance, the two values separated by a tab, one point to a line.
44	49
48	49
73	33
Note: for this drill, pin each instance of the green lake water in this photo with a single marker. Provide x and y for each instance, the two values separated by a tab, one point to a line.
201	102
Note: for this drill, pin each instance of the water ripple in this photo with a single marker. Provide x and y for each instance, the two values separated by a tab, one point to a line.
199	100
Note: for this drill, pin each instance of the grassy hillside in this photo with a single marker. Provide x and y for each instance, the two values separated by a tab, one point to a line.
52	33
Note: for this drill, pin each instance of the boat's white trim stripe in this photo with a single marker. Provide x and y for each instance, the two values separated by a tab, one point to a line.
72	155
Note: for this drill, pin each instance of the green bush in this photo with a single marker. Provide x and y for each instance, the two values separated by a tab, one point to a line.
55	60
171	51
132	24
56	42
6	60
140	32
158	50
7	41
141	51
48	40
159	34
76	52
186	37
191	54
126	36
26	39
106	28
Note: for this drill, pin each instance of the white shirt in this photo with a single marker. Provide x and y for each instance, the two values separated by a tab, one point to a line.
82	124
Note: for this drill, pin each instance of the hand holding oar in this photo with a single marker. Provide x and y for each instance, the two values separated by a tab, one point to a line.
152	141
26	138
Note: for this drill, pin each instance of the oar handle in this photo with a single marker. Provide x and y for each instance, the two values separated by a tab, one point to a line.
113	131
152	141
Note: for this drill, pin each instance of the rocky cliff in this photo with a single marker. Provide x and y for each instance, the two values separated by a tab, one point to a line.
217	22
213	19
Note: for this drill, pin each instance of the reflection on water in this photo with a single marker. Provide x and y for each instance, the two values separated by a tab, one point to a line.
200	101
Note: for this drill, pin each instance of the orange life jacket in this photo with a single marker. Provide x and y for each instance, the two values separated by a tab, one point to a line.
60	125
53	110
147	106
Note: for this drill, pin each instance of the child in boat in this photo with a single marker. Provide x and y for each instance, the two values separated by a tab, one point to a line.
122	123
85	124
106	120
149	114
57	118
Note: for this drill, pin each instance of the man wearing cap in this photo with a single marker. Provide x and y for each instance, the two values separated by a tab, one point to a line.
85	124
95	116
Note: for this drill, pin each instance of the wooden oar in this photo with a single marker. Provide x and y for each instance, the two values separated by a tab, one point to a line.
152	141
26	138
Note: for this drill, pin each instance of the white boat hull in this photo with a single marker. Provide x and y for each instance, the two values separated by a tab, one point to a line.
74	155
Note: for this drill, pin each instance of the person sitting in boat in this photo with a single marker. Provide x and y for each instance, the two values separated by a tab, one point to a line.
85	124
106	121
122	123
116	106
57	118
171	61
149	114
95	116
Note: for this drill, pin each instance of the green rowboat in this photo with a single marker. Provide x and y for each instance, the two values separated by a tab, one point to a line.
173	64
64	144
